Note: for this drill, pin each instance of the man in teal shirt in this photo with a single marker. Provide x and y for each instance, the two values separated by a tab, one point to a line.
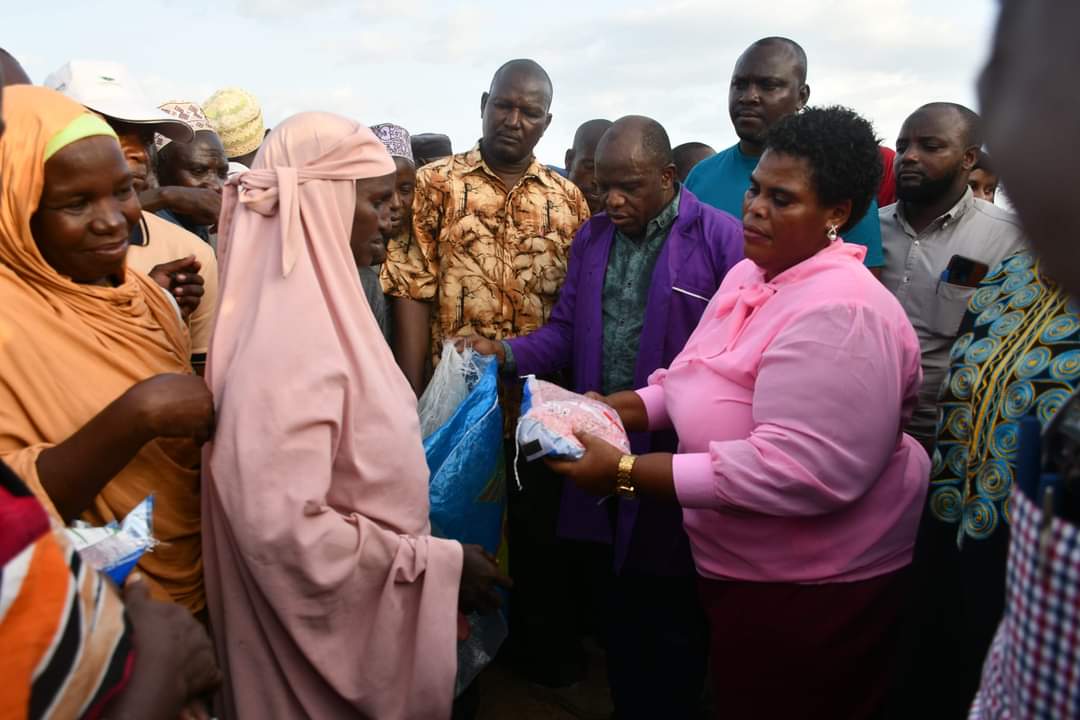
769	83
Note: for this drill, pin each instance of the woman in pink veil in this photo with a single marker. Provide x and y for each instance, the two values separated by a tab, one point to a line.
328	596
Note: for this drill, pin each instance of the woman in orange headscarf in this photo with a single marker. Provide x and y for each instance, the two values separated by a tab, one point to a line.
98	404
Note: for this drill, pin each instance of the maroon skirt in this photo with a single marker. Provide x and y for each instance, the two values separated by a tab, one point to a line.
781	650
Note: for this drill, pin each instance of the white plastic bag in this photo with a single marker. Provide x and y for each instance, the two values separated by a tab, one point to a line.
461	423
116	548
454	378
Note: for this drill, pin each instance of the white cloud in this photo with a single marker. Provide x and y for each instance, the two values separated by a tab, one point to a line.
424	64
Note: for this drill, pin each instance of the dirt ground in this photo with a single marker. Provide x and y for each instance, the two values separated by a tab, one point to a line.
506	696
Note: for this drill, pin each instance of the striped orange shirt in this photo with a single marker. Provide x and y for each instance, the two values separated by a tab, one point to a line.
66	642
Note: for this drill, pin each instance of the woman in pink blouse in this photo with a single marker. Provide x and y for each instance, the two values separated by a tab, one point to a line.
800	492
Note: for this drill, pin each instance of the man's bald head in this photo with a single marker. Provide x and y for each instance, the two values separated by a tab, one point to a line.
785	46
581	161
526	69
936	149
588	135
515	112
639	136
965	118
12	70
635	173
688	155
767	84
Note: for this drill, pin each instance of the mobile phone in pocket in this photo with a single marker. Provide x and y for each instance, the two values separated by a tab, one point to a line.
964	271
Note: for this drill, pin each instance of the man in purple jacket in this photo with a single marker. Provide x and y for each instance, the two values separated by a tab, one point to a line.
639	278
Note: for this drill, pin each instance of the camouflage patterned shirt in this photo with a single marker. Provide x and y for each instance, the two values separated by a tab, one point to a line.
492	261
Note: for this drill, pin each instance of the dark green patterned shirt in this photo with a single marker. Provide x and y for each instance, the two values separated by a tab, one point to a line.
626	293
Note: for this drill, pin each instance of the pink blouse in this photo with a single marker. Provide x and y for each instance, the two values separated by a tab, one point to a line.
789	400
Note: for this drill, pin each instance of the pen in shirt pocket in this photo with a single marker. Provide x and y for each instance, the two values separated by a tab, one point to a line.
691	294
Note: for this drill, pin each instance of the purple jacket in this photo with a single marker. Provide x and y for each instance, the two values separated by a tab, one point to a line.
703	245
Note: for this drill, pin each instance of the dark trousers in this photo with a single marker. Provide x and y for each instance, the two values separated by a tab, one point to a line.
813	652
953	610
657	647
558	584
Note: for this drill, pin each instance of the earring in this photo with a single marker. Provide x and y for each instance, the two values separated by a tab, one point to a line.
831	233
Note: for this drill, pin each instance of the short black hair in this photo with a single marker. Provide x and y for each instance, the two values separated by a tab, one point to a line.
692	145
588	129
984	163
969	119
427	147
842	151
527	67
688	155
796	48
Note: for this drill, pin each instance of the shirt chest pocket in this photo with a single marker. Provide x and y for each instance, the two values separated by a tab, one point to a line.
947	308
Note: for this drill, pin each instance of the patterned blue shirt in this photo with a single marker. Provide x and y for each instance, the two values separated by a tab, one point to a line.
1018	353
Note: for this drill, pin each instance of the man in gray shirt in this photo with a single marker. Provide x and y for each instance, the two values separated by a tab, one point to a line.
936	220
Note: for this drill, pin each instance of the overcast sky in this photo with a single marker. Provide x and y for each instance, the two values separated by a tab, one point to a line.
424	64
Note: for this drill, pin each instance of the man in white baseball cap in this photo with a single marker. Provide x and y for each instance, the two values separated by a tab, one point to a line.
108	89
159	248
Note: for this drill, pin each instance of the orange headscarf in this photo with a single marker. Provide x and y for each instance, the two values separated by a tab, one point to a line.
68	350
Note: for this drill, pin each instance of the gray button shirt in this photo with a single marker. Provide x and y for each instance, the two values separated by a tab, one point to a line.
914	263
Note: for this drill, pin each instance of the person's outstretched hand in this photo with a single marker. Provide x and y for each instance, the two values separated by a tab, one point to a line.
482	345
480	581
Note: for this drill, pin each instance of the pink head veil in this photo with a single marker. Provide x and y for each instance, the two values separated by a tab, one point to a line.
305	173
315	493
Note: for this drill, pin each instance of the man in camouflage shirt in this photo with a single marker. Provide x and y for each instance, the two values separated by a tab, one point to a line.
491	231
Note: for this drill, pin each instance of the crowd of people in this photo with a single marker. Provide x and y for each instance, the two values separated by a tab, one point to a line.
823	350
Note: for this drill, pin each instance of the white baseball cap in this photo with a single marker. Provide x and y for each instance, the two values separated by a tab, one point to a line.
109	89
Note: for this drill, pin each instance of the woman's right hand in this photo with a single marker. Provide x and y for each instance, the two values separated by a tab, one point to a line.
74	471
174	405
630	407
480	580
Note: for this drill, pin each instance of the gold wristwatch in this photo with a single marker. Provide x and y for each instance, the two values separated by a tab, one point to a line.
624	485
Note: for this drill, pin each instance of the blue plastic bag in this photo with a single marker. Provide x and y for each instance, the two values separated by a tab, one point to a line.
464	454
462	423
